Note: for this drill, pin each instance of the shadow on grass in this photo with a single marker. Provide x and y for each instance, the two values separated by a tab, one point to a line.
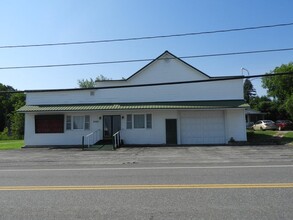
269	138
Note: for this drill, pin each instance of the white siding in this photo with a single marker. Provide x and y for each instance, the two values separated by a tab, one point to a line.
217	127
167	70
235	124
69	137
193	127
217	90
155	135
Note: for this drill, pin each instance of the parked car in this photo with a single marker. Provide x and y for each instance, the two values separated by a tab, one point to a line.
284	125
264	125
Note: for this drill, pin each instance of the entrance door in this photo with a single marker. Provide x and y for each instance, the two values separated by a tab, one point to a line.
112	124
171	131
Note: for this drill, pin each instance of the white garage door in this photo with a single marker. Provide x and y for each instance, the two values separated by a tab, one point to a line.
202	127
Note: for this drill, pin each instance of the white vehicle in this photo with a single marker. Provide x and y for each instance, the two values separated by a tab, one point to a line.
264	125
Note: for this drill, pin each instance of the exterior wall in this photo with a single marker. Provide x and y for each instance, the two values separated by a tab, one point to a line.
235	124
69	137
156	135
215	90
160	71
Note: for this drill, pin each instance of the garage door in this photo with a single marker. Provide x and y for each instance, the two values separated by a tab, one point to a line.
202	127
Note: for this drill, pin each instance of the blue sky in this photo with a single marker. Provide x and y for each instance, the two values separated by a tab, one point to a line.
34	22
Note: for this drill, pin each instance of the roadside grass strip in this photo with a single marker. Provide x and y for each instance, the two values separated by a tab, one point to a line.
147	187
11	144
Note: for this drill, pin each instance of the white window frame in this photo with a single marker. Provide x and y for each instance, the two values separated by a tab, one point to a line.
147	123
129	121
136	122
86	122
68	123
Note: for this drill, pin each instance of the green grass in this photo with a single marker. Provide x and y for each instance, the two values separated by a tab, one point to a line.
11	144
269	137
288	137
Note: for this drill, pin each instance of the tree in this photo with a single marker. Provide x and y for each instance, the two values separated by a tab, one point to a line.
85	83
17	119
11	122
280	87
289	106
90	83
6	106
249	91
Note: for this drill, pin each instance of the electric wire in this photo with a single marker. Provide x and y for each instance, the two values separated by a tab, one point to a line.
146	37
145	60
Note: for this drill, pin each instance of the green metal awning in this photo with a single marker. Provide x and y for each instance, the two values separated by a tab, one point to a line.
136	106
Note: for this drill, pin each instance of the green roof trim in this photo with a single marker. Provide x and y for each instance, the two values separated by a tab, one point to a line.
136	106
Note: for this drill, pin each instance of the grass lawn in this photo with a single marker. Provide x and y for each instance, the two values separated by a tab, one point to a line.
11	144
269	137
288	137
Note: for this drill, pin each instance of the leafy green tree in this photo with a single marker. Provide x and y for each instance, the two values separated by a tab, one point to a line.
17	119
249	91
6	106
280	87
266	105
86	83
90	83
11	122
289	106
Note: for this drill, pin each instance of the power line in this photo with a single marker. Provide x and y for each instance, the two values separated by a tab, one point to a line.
146	37
156	84
145	60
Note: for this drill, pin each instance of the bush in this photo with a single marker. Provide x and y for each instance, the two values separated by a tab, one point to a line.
4	135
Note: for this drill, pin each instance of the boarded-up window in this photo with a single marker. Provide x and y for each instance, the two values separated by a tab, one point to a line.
49	123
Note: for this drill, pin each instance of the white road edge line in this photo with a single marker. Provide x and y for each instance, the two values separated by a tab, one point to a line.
146	168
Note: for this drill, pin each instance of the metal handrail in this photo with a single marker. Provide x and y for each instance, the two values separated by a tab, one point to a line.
92	138
116	140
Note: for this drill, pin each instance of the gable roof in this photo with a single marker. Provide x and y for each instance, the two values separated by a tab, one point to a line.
160	58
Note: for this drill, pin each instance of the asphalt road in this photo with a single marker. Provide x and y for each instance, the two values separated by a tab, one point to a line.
254	187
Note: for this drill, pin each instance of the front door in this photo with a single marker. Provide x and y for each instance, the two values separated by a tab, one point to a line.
111	124
171	131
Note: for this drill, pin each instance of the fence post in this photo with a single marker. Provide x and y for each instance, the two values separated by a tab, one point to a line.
82	142
118	141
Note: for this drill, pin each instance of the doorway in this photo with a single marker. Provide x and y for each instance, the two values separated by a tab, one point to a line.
111	124
171	131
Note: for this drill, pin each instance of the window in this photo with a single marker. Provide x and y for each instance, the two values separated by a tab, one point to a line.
78	122
149	121
138	121
49	123
129	122
87	122
68	122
